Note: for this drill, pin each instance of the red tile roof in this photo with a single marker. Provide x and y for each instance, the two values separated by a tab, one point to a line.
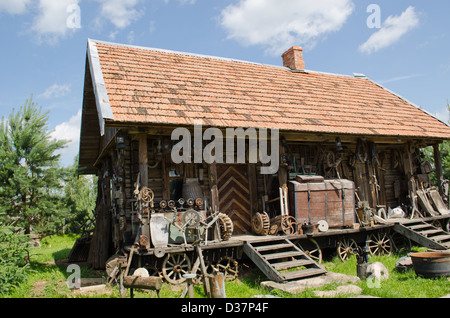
147	85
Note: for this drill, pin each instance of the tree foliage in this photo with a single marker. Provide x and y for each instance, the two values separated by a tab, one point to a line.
80	194
13	258
30	176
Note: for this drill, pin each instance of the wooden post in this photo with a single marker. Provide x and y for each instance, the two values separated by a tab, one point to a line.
438	168
143	160
213	186
252	188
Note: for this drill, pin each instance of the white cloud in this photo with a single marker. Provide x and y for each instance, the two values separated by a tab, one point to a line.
14	6
69	130
279	24
52	23
121	13
55	91
391	31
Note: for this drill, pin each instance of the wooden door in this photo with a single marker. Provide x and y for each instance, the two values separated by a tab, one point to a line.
234	195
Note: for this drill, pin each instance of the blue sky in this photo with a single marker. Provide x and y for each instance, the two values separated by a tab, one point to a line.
403	45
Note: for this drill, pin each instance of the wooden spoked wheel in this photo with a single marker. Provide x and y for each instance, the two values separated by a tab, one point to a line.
346	248
175	266
311	248
380	243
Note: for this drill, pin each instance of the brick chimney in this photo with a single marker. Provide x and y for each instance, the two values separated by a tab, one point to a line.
293	59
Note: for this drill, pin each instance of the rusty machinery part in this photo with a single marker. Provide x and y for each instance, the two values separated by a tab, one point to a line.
192	219
190	202
181	201
229	267
147	195
143	241
311	248
380	243
171	204
225	226
199	202
175	266
273	230
159	252
346	247
261	223
289	225
163	204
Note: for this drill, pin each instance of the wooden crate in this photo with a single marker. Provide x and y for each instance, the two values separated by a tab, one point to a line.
330	200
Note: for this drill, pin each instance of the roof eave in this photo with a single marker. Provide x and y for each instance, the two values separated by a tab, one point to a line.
101	95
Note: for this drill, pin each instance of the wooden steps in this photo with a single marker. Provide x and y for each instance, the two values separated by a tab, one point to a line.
280	260
425	234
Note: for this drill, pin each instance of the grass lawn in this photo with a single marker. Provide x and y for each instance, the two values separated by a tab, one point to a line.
48	278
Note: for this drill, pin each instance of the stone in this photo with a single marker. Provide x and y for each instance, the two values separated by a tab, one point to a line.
297	286
340	290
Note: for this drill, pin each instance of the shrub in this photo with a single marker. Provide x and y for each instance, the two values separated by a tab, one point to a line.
14	258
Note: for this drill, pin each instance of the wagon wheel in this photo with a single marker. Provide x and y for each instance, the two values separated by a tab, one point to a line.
229	267
199	278
312	249
380	243
261	223
225	226
289	225
174	267
346	248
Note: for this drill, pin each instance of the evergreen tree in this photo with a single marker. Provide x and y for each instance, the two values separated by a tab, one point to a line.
31	179
80	193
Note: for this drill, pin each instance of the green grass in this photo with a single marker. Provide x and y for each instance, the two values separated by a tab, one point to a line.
49	276
399	285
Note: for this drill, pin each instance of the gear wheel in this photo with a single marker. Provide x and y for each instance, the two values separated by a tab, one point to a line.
225	226
261	223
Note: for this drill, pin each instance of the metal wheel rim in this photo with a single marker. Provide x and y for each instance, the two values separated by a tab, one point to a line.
346	248
379	244
174	267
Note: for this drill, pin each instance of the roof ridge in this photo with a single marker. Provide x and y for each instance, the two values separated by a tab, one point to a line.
140	47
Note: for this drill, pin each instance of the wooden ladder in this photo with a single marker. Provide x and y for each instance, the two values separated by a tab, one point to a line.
425	234
280	260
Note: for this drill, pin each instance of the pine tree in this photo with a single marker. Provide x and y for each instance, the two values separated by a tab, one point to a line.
31	179
80	192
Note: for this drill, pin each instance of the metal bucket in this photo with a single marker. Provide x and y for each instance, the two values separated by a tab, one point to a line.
431	264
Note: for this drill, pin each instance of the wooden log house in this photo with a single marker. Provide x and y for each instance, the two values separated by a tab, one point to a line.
337	127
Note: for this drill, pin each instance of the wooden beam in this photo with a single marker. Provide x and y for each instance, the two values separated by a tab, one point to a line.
143	160
438	168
